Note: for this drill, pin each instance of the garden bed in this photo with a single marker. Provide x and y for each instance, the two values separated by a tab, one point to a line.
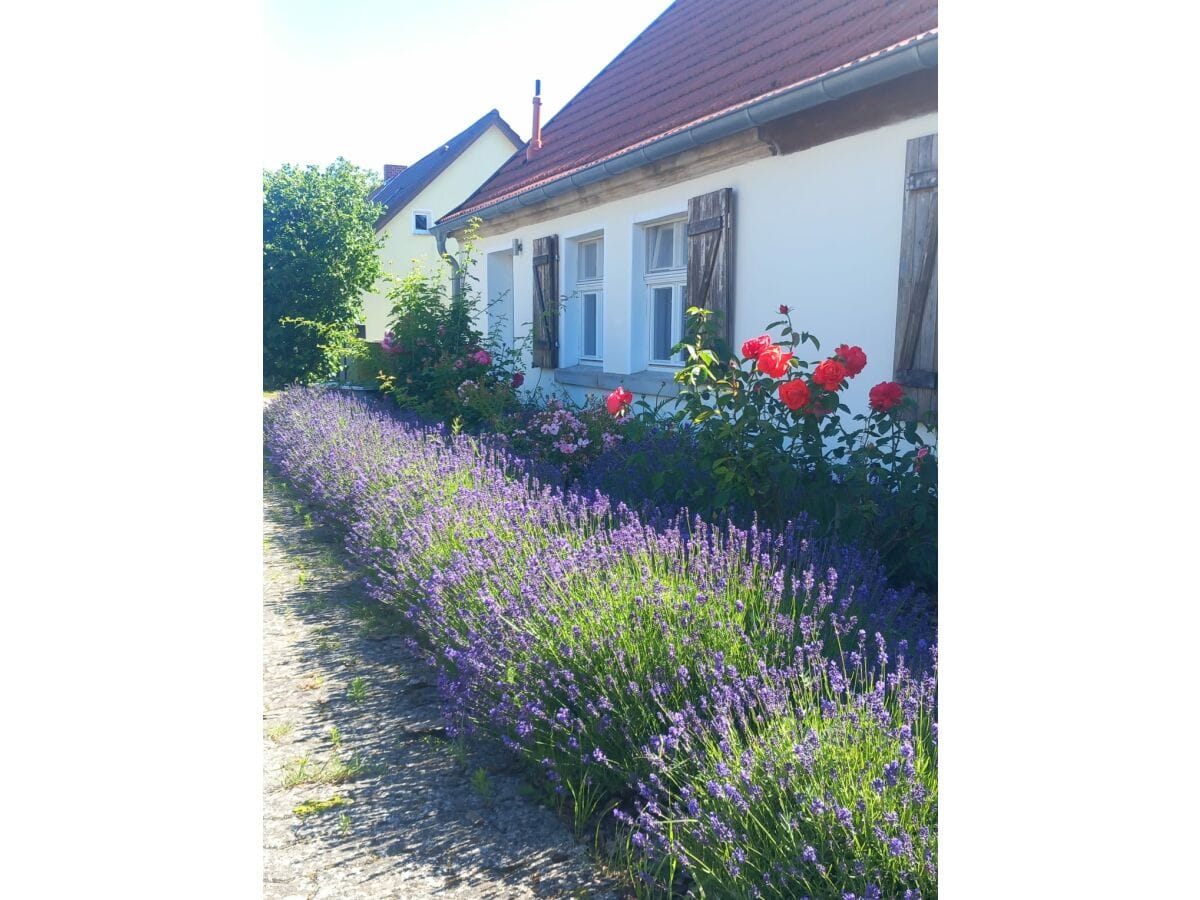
757	708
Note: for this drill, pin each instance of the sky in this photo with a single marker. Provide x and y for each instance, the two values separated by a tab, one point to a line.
387	81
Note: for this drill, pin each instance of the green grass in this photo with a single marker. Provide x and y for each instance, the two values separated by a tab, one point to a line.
313	605
312	807
358	690
329	643
375	619
334	770
483	785
458	750
278	732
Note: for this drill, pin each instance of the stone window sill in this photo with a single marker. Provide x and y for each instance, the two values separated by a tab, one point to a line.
652	382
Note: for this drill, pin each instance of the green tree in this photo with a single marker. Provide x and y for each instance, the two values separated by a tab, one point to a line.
320	253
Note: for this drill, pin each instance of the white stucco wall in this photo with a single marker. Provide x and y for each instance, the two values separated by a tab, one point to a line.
402	249
818	230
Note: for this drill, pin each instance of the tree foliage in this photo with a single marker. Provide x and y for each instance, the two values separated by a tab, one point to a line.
320	253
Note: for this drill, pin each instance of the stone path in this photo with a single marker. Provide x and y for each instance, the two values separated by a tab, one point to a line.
413	815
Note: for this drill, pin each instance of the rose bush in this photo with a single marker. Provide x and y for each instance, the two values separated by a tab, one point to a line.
775	438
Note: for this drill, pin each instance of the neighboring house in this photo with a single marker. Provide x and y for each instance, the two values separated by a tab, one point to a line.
738	155
414	196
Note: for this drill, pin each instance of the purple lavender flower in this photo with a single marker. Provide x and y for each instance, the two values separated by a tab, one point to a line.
501	578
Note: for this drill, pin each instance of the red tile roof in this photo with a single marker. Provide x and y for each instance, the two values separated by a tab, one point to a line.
698	59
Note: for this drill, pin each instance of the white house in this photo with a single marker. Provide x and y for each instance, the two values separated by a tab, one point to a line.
738	155
414	196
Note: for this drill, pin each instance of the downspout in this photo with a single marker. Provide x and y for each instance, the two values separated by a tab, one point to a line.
913	57
456	274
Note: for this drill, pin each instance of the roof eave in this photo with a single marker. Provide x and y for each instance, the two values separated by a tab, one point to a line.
908	56
480	126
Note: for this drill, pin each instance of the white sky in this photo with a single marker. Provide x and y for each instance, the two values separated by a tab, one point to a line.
382	81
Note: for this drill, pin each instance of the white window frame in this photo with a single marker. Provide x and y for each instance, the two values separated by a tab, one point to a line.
428	220
590	285
675	278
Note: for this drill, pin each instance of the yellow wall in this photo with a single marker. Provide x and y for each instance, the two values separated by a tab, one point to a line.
402	249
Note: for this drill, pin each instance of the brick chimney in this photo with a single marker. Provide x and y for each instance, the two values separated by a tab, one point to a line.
390	171
535	139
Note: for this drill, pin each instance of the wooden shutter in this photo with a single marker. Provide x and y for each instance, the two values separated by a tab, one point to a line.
916	302
710	258
545	302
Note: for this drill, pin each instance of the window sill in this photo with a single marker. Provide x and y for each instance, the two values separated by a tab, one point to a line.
654	383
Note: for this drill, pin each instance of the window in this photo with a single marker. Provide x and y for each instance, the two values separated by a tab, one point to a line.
666	284
591	260
589	286
666	247
422	219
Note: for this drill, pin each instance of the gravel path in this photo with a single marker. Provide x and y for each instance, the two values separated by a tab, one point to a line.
423	816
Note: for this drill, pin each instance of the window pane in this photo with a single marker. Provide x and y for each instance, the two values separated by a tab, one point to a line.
588	267
660	338
681	244
421	222
660	249
589	325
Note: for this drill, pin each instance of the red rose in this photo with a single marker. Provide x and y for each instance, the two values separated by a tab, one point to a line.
783	309
853	358
885	395
518	379
773	362
829	374
755	346
794	394
618	400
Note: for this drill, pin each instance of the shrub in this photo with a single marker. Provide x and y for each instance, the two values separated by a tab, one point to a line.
629	662
319	256
363	368
570	440
439	365
815	779
768	429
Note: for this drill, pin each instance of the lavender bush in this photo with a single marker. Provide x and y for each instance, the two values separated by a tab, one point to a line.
711	685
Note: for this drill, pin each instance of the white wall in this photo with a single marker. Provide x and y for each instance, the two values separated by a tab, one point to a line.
818	230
